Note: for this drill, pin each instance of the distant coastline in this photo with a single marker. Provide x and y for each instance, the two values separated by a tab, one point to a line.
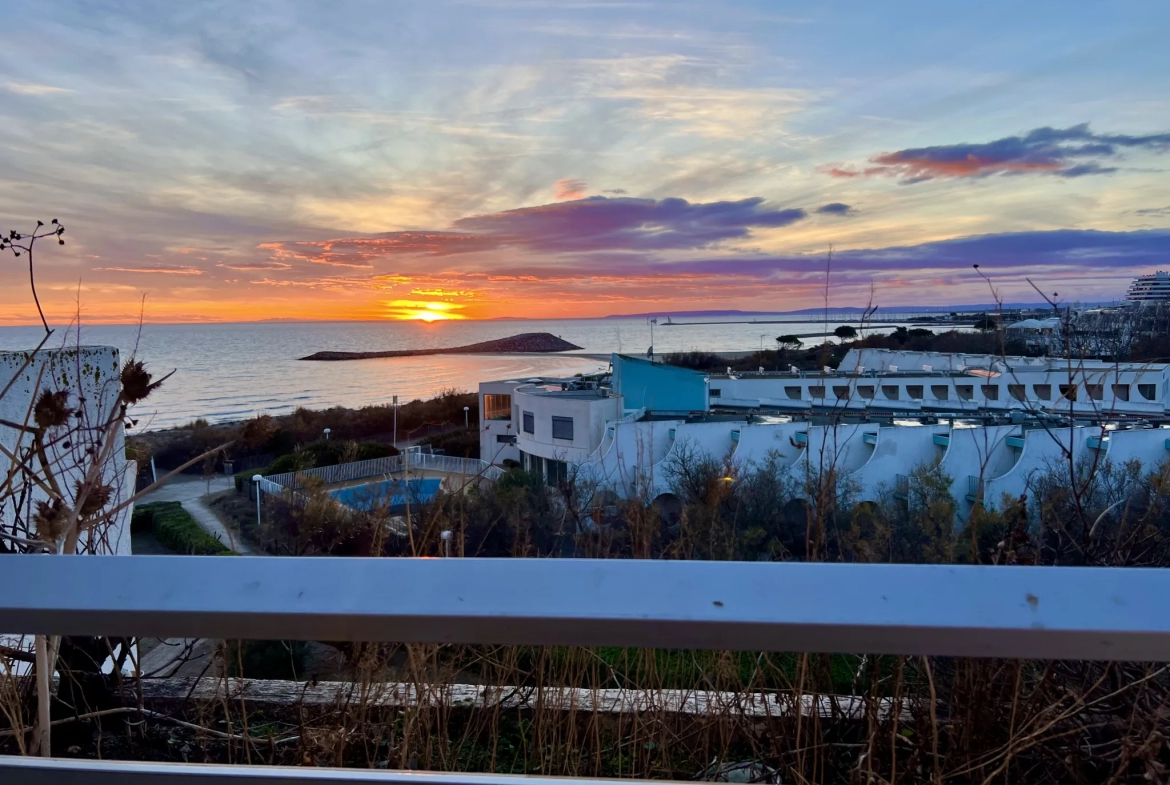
525	343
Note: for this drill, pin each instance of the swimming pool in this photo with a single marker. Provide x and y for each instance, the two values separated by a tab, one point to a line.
392	494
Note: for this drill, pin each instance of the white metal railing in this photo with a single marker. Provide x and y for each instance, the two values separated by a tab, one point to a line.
981	611
374	467
1030	612
454	465
342	472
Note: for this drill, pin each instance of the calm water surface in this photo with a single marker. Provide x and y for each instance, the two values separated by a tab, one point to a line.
233	371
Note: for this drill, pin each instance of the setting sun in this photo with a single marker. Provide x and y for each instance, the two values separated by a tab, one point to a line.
423	311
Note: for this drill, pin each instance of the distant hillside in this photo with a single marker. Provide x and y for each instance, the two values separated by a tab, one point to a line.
845	309
526	343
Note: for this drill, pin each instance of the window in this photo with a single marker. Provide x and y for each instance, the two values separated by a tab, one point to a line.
529	422
940	392
991	392
1043	391
915	391
1017	391
562	428
716	392
497	407
1095	391
1068	391
865	390
793	393
841	391
1121	392
558	472
505	438
1148	391
890	391
965	391
816	391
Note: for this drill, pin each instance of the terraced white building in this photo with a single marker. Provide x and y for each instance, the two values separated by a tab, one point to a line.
992	423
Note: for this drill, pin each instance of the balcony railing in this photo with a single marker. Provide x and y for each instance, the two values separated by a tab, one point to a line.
974	611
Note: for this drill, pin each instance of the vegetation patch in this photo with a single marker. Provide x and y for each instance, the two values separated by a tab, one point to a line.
176	529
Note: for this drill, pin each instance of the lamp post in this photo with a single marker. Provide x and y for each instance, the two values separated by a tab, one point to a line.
466	415
395	405
446	535
327	432
256	478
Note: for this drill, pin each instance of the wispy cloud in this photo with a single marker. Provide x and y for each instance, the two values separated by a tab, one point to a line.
31	88
153	269
246	266
1066	152
569	189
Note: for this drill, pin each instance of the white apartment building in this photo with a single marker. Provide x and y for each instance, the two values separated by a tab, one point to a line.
924	407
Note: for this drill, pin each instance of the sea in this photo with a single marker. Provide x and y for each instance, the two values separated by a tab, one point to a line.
225	372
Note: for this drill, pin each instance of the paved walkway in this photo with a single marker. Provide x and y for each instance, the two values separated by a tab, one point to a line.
190	492
189	656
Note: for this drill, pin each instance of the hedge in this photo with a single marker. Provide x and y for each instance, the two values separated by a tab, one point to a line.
176	529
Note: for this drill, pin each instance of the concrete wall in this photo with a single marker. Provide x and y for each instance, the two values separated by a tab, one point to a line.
1147	445
491	448
899	450
94	370
589	413
634	450
977	452
1043	450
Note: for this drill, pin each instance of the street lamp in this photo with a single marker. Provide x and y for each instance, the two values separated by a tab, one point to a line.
327	432
395	405
466	415
446	535
256	478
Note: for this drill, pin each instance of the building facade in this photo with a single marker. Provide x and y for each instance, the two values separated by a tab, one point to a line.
990	422
1149	289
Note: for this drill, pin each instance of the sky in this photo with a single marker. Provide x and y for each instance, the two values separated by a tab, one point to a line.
237	161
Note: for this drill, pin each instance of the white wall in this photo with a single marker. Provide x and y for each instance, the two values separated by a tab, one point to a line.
1147	445
899	450
590	413
490	448
95	371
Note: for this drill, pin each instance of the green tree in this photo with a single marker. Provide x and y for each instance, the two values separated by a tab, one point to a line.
986	324
845	333
787	342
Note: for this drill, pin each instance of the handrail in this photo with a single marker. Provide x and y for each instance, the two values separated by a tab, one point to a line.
53	771
1081	613
375	467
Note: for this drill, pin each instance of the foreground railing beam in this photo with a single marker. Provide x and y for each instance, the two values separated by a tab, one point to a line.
41	771
1027	612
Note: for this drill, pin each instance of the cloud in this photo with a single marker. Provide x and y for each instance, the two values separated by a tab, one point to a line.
597	223
30	88
569	189
242	266
836	208
1153	211
1050	254
1065	152
155	269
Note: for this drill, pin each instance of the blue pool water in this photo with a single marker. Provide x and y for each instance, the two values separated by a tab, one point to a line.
391	493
